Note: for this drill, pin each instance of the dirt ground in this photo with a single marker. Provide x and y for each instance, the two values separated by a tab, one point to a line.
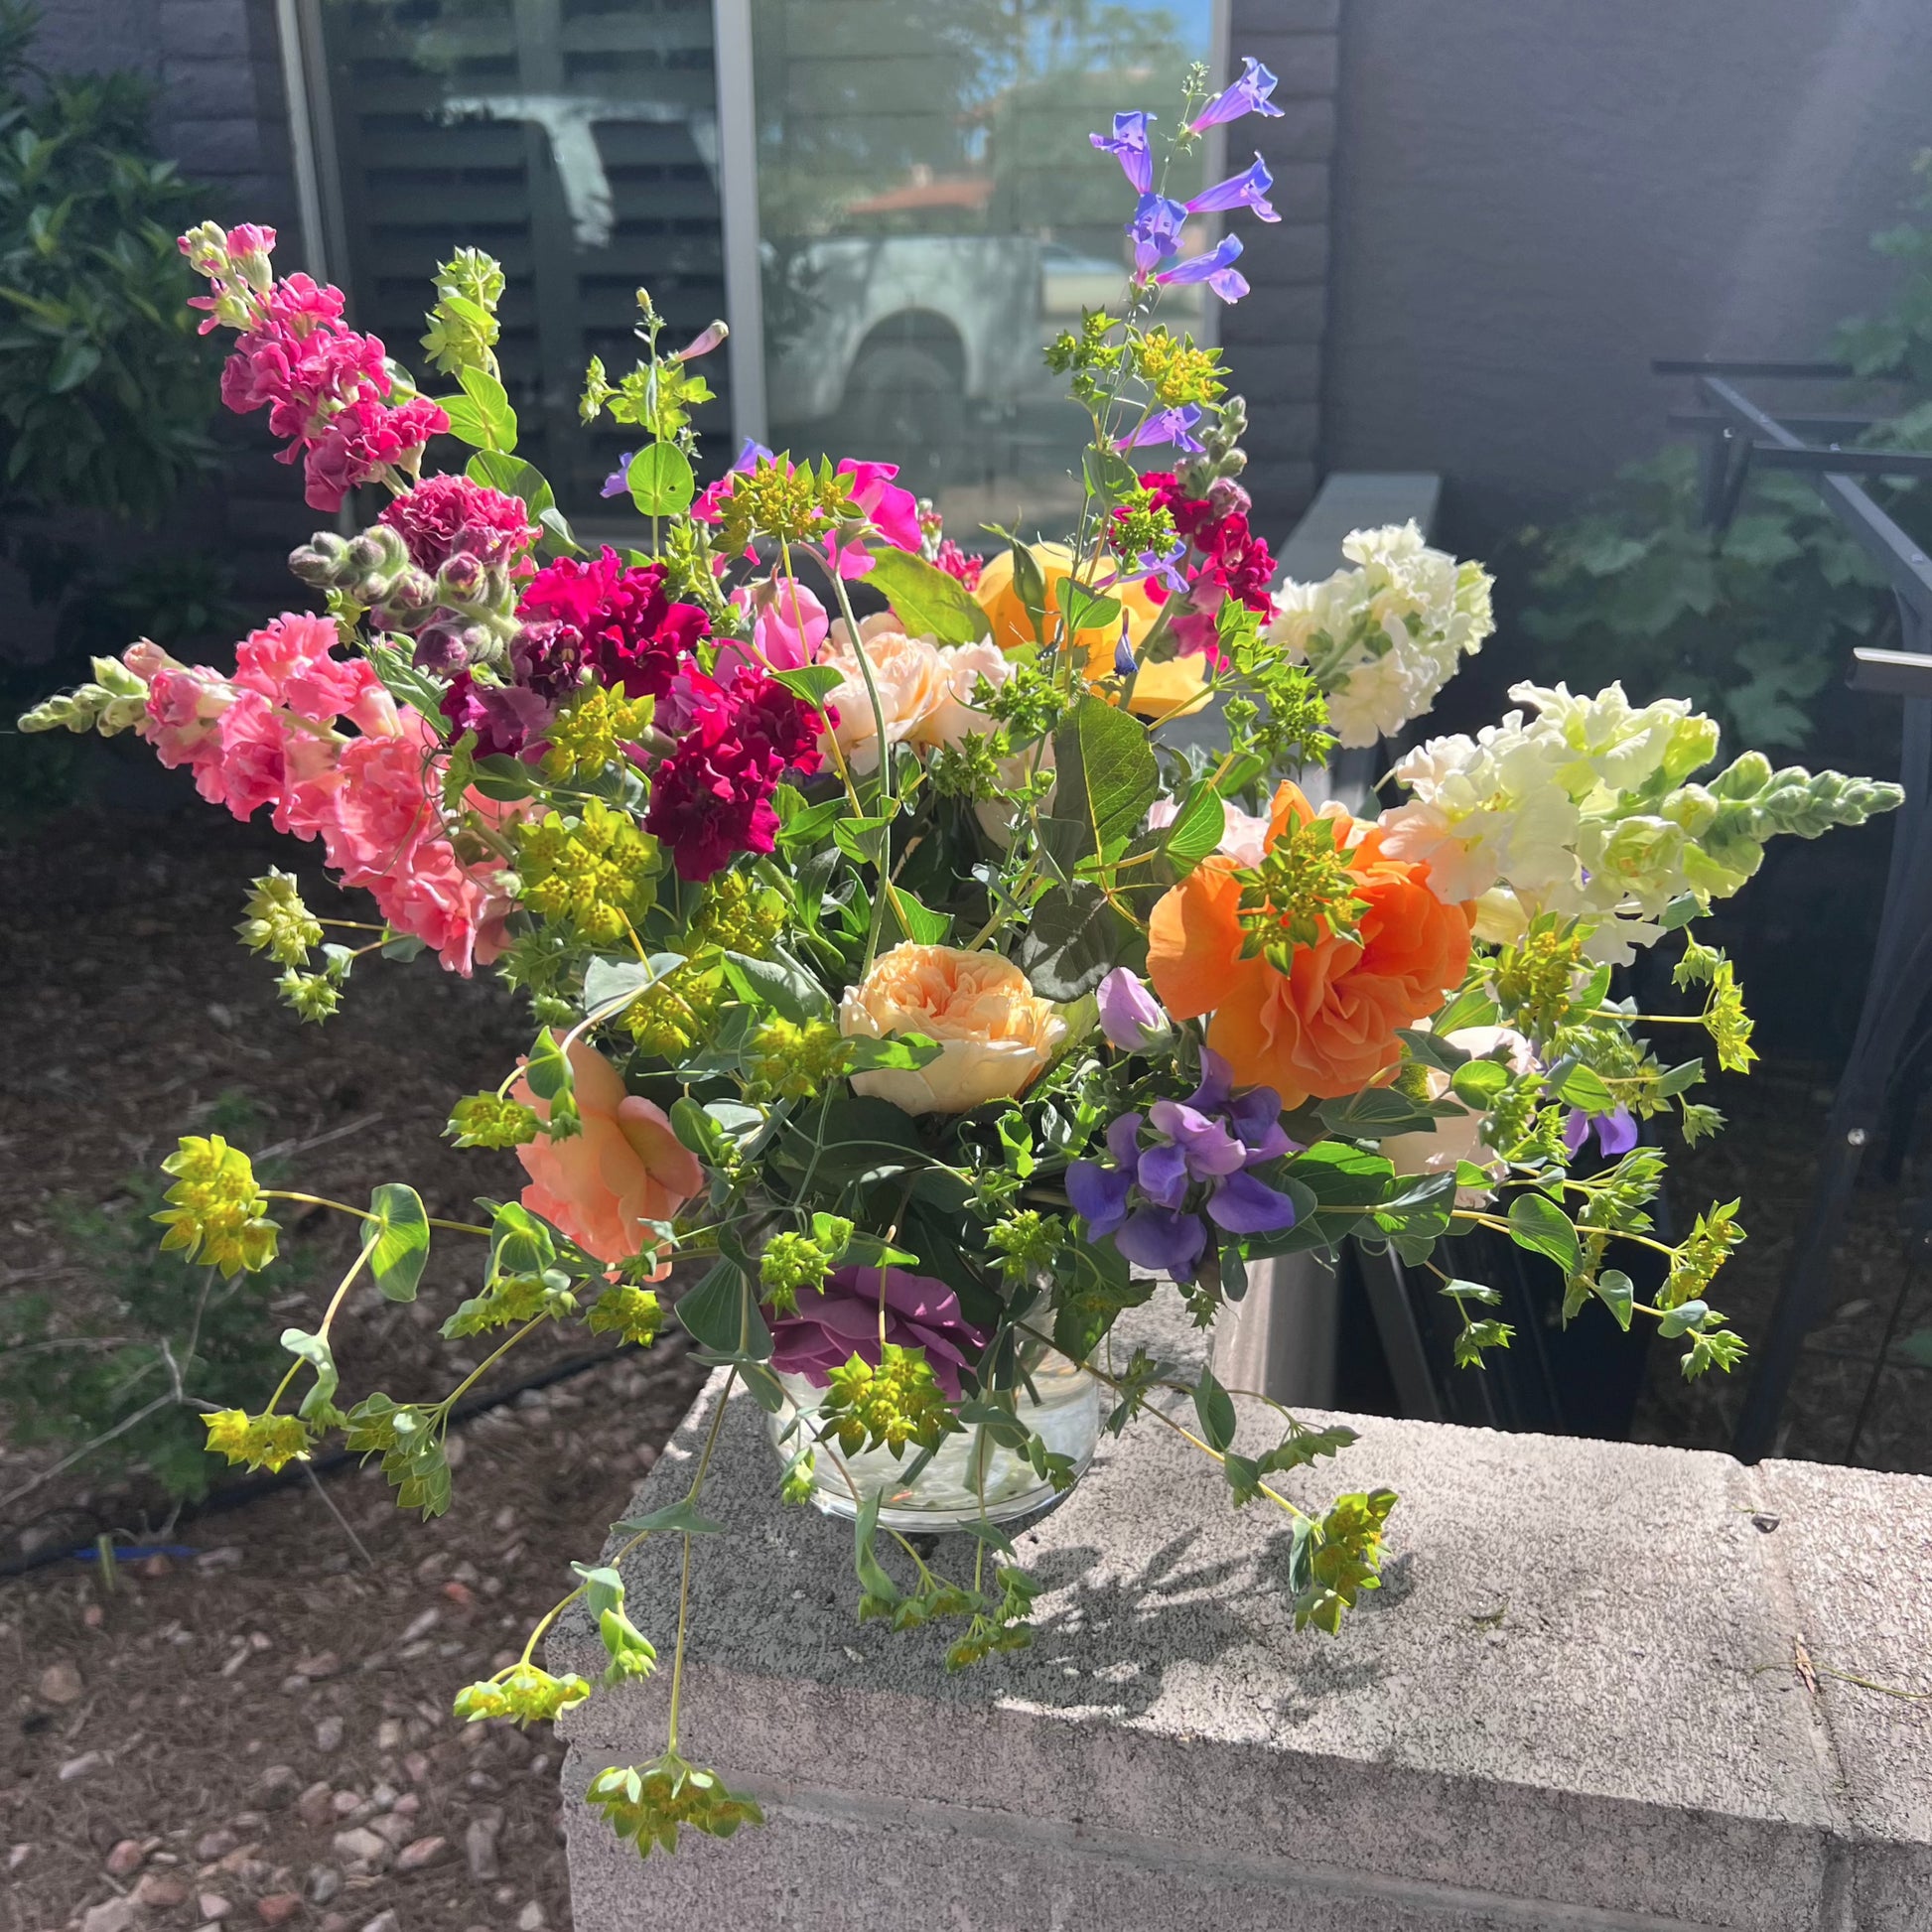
255	1731
260	1732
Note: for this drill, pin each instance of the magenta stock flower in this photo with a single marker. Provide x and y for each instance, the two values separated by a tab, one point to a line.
1250	95
446	515
841	1319
608	616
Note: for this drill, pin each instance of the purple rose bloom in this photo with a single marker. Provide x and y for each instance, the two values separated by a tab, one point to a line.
1616	1132
1129	143
1130	1016
841	1319
1247	95
1248	190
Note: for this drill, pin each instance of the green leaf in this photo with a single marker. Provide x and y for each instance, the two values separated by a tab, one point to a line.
315	1351
499	418
931	601
468	423
502	779
397	1241
609	983
1196	829
1473	1007
814	683
660	480
1031	588
603	1586
77	361
902	1053
1082	608
1538	1224
1072	943
914	920
1477	1082
1215	1408
1462	1291
513	476
1584	1089
547	1073
1376	1114
779	983
680	1516
1686	1314
712	1312
1618	1294
873	1578
1106	779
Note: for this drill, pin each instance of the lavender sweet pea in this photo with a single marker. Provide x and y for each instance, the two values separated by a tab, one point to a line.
1616	1132
841	1319
1153	1199
1130	1016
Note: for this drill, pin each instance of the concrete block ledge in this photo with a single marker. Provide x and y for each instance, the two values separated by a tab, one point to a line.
1606	1687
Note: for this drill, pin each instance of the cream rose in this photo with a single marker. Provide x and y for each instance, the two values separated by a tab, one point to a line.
1450	1142
911	681
995	1032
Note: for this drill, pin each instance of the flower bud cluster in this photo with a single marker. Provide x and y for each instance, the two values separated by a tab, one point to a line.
217	1213
116	701
268	1441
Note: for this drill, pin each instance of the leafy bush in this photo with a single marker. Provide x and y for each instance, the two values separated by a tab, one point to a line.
1750	627
119	1369
105	399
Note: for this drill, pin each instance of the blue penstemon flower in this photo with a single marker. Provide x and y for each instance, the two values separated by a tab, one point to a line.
1180	1162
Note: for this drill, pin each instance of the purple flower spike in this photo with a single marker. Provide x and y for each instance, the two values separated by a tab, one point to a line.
1247	95
1217	270
1130	1016
1242	1205
1152	565
1127	143
1164	425
1099	1195
1155	230
1249	191
1163	1242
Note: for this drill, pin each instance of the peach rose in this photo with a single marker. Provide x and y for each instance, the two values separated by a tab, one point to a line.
1161	691
1327	1026
625	1168
910	676
1439	1149
995	1032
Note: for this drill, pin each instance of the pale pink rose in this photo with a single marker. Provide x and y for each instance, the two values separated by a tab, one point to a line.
625	1169
911	682
995	1035
1441	1148
956	718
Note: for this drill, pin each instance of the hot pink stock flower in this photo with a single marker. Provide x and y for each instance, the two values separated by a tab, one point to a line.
445	514
610	617
364	437
1226	559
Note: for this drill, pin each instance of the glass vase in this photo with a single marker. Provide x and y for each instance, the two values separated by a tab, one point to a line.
968	1477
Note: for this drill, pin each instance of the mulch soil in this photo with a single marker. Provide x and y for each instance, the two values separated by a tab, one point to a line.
258	1731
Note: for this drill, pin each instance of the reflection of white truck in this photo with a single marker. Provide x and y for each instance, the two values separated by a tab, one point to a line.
906	340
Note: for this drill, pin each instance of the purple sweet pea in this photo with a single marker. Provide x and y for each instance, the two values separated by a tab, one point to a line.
617	483
1099	1195
1155	230
1243	1205
1617	1133
1247	95
1127	143
1163	568
1217	270
1163	1242
1209	1150
1130	1016
841	1319
1249	191
1164	425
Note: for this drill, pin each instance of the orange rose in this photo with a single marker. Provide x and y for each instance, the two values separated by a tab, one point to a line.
625	1168
1160	690
1327	1026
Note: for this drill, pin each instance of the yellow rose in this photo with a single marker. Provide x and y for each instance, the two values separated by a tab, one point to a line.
995	1032
1160	691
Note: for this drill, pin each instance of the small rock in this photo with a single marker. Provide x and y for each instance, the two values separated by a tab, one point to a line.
60	1684
275	1906
324	1881
160	1890
345	1802
336	1922
421	1626
294	1684
156	1565
19	1855
390	1736
1763	1522
246	1821
479	1844
215	1845
229	1557
417	1765
383	1922
325	1663
316	1806
530	1918
328	1734
383	1797
213	1907
277	1786
82	1766
112	1915
422	1853
361	1851
459	1594
393	1828
123	1861
407	1806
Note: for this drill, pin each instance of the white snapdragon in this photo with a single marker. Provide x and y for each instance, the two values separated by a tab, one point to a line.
1382	638
1580	810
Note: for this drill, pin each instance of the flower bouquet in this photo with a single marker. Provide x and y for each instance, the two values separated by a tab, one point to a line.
894	970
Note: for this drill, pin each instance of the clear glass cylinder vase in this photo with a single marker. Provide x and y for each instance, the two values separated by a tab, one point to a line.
968	1477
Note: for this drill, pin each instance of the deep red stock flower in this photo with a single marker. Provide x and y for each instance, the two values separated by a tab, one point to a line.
1225	558
607	616
445	515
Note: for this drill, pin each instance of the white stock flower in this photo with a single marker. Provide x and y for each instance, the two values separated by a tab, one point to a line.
1382	638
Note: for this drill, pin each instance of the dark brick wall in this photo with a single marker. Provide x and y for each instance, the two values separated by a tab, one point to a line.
1274	339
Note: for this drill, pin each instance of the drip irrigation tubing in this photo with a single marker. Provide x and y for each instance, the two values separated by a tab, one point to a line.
238	1496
